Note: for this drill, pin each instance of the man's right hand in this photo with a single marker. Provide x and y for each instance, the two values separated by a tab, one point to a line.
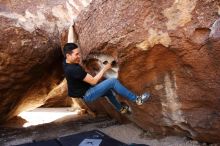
94	80
107	66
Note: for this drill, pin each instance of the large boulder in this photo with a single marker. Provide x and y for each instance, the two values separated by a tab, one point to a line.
168	48
30	54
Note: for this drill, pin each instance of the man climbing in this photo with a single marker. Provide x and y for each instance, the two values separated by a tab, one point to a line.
83	85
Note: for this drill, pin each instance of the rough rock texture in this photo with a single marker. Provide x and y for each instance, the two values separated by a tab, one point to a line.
168	48
30	55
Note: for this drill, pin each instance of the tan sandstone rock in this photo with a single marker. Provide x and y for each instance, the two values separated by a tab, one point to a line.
168	48
30	54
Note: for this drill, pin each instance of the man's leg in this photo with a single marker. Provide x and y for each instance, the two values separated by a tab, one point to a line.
106	85
113	99
109	94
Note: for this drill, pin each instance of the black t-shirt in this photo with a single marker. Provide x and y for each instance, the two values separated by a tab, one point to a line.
74	75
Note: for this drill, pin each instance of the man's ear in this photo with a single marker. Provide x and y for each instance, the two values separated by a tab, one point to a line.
67	55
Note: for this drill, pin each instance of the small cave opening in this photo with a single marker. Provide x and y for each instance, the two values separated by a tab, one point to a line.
51	113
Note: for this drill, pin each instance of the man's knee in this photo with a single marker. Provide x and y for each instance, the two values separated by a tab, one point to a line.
113	79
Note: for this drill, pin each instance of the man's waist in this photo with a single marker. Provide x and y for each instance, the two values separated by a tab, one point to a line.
79	94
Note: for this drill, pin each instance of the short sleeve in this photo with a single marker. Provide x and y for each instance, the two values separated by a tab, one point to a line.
78	73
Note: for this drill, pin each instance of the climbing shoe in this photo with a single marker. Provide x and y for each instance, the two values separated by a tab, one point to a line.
142	98
124	109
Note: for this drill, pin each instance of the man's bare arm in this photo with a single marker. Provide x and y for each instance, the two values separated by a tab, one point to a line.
94	80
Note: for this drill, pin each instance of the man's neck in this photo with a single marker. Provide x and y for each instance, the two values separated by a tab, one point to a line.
67	61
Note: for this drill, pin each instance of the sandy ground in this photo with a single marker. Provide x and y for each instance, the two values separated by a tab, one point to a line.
127	133
130	133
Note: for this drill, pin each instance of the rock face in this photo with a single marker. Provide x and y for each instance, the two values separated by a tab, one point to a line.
30	54
168	48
